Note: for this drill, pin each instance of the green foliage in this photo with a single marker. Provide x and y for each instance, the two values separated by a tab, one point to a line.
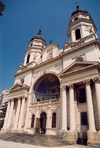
2	7
2	115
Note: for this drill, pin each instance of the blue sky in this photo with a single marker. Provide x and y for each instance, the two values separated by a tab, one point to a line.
21	21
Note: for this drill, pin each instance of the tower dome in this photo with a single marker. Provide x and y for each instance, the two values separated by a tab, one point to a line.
81	25
38	36
79	10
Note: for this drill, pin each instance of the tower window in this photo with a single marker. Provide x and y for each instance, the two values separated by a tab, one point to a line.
28	58
76	18
77	33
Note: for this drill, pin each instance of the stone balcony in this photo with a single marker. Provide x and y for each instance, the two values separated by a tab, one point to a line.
46	102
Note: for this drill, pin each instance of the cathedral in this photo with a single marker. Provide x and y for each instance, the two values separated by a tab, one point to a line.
59	89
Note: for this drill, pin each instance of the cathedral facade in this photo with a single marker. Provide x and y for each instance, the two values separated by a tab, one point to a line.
57	90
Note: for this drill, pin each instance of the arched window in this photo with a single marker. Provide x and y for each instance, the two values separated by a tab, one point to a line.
32	121
79	59
28	58
54	120
77	33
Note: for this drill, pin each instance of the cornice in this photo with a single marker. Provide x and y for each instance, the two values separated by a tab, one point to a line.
80	20
58	57
37	47
75	15
77	46
17	89
96	65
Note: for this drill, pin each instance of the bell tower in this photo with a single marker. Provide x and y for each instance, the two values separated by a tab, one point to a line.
81	25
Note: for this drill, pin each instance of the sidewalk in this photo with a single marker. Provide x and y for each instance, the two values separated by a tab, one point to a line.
9	144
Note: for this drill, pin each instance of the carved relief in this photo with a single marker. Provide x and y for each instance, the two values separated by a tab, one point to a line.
63	87
71	85
87	82
96	80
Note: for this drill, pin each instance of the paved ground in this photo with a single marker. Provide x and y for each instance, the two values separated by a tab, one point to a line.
9	144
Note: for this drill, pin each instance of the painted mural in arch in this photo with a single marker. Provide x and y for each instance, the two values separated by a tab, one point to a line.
47	88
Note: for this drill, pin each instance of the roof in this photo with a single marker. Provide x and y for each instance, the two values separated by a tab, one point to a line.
79	10
38	36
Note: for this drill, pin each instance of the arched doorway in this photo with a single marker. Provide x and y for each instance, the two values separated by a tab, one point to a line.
43	122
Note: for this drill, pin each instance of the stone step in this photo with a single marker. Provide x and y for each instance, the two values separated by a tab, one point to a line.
36	139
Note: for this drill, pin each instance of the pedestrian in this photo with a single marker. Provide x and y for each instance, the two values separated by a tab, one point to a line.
63	134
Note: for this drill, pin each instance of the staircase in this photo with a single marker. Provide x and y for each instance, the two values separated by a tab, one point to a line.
38	140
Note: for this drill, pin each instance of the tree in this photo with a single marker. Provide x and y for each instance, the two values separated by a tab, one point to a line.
2	114
2	7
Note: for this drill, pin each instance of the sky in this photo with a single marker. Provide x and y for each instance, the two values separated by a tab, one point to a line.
22	19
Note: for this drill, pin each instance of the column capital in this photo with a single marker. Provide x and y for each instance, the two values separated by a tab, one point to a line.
71	85
63	87
96	80
24	96
12	99
87	82
19	98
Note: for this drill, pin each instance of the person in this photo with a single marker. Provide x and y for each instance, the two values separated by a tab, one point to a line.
63	134
40	131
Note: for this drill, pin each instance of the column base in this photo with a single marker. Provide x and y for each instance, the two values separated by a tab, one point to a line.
20	131
15	130
3	130
9	130
93	139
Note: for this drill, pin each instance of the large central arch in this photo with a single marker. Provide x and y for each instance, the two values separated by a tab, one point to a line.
47	87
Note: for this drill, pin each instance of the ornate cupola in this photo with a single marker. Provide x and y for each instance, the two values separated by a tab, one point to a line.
81	25
35	50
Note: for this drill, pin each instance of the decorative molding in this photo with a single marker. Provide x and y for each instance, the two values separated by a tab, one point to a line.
71	85
63	87
87	82
96	80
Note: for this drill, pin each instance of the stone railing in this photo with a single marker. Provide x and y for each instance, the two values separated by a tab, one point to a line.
45	102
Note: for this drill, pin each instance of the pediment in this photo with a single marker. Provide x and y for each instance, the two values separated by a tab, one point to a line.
18	86
77	66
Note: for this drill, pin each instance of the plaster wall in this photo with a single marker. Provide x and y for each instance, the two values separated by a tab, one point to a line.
90	54
26	76
49	65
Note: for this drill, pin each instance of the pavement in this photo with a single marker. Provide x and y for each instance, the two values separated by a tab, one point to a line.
9	144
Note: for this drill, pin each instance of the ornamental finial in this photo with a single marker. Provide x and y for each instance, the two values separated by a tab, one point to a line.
77	5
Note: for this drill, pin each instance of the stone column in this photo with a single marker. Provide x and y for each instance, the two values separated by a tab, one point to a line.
21	113
64	108
97	89
72	109
17	114
10	114
7	115
90	107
